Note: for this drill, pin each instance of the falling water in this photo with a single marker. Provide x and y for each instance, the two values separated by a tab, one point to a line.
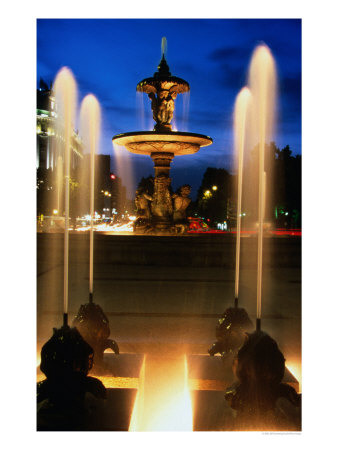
242	104
186	106
90	119
144	112
66	98
262	83
181	114
124	170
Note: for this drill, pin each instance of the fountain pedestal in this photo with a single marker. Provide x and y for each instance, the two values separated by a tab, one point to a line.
162	148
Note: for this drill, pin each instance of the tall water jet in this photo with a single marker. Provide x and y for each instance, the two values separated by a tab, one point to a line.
91	321
242	104
262	83
66	358
259	364
231	328
66	98
90	118
59	182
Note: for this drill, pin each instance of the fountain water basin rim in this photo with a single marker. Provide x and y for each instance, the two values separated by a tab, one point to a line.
176	142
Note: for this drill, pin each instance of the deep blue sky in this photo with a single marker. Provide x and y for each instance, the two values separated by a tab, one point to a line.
110	56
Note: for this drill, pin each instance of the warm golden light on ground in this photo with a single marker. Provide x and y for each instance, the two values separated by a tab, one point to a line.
163	401
296	369
108	382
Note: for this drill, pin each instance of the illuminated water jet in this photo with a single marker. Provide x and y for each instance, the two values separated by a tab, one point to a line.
90	116
260	398
231	328
66	358
163	402
66	97
262	83
242	103
91	321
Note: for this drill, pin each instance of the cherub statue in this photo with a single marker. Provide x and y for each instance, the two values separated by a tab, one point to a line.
181	202
163	106
142	202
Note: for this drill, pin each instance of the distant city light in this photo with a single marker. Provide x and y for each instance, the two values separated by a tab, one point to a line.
214	188
112	176
222	226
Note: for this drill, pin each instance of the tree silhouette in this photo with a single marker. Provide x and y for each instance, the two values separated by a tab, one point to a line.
214	194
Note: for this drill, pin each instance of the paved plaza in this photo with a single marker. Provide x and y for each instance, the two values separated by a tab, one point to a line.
164	294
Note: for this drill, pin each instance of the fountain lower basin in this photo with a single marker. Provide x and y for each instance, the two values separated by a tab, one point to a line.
174	142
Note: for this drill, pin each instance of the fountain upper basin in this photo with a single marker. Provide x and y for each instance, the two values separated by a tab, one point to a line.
175	142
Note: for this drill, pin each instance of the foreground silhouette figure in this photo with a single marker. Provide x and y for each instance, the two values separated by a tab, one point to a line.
260	399
68	400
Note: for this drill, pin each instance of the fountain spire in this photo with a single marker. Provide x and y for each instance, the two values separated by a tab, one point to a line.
163	68
164	46
162	90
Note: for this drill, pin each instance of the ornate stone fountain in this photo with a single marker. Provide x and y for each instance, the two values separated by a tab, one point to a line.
162	144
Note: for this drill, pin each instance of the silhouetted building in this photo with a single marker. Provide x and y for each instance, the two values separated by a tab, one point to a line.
109	194
119	196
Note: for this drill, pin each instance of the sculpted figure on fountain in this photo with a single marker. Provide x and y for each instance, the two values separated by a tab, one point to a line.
181	202
163	105
142	204
162	145
143	214
162	204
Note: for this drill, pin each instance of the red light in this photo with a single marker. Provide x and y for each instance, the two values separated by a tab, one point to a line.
112	176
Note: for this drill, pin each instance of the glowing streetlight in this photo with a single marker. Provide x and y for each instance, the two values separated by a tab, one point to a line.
214	188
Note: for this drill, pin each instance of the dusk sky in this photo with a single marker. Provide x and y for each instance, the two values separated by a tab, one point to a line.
108	57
